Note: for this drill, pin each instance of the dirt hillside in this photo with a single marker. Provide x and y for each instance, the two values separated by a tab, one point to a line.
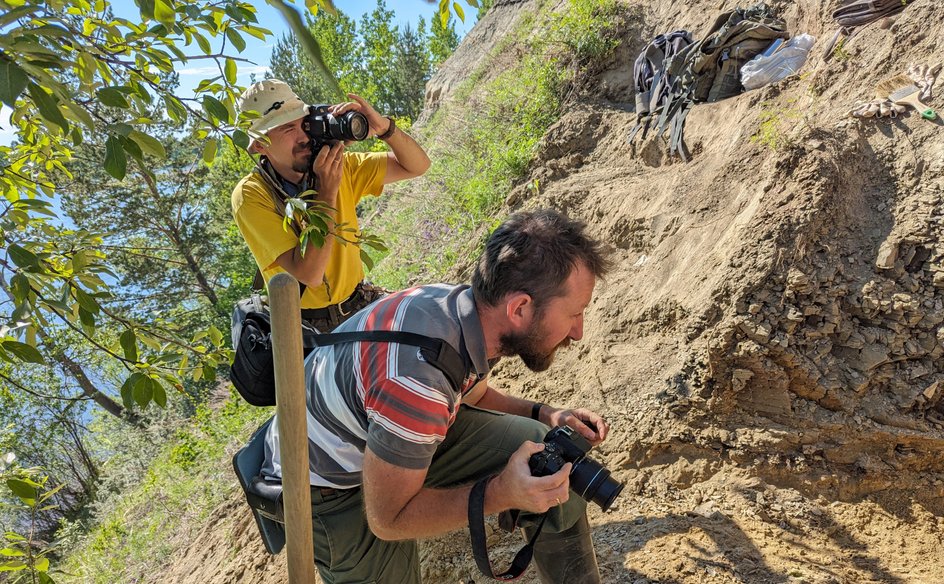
768	350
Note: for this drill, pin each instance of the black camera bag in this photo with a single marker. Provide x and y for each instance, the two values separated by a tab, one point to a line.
252	371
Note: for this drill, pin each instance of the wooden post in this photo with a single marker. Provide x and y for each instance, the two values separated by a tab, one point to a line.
292	412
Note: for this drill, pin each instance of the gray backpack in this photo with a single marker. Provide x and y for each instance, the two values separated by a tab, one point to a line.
858	13
649	79
709	70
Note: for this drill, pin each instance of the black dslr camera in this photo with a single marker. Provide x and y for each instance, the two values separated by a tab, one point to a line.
325	128
588	478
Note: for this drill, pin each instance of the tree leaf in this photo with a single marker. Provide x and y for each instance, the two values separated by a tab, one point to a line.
24	352
148	144
113	97
116	163
215	108
20	286
459	11
203	43
146	7
132	148
234	37
164	13
310	44
48	106
143	391
215	335
365	258
23	490
209	151
87	319
127	388
13	81
229	69
129	345
159	393
87	301
241	139
22	257
11	553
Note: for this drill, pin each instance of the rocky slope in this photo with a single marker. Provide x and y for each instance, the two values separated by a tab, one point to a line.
768	350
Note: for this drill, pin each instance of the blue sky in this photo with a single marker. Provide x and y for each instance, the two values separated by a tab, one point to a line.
406	12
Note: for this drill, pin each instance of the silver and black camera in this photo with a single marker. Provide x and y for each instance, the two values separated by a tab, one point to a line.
588	478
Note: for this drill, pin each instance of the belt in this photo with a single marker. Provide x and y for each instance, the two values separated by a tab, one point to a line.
343	308
328	491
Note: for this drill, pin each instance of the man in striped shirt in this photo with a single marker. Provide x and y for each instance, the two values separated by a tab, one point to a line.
394	449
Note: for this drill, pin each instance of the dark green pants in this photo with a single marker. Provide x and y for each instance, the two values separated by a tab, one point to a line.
478	444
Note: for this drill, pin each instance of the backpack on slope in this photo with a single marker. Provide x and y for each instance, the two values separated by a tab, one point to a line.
649	81
858	13
709	70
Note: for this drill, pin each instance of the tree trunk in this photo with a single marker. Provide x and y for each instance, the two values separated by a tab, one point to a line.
173	233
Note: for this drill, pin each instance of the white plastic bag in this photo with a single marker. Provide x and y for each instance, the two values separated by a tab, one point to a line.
785	61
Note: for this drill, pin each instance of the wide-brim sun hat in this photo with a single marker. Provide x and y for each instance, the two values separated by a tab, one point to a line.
276	104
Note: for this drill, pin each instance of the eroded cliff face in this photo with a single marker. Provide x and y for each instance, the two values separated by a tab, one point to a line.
768	350
771	341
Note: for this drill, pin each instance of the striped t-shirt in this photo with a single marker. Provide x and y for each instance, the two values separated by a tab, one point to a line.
384	396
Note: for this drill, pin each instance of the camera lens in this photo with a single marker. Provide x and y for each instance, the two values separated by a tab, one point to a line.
350	126
358	127
592	481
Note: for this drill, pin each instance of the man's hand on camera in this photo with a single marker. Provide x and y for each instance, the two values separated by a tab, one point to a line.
328	166
588	424
516	488
378	123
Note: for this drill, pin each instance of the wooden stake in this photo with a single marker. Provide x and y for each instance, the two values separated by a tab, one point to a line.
292	412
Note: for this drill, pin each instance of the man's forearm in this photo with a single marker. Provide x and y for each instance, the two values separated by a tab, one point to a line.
495	400
408	153
433	512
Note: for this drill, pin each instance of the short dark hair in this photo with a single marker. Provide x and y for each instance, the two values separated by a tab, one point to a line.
535	252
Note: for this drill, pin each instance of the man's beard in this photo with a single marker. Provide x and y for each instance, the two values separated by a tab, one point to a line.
528	346
302	165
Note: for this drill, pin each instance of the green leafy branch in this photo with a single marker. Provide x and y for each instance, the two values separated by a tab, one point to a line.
21	554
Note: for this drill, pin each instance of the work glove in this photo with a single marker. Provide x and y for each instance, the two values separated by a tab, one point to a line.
924	77
877	108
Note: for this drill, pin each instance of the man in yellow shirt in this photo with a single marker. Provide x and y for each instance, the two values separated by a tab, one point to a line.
332	274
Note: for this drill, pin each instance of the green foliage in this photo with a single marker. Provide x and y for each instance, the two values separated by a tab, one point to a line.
83	83
840	54
385	64
775	122
337	35
172	493
584	27
493	127
443	40
25	558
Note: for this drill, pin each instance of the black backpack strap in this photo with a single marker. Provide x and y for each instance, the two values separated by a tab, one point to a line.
437	352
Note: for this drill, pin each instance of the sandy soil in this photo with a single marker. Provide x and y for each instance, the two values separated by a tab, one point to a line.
769	348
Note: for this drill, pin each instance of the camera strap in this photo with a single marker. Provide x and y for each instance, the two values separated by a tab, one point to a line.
479	547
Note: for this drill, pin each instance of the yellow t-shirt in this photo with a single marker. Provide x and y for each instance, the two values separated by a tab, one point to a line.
261	226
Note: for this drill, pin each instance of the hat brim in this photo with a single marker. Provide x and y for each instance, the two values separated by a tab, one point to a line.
282	117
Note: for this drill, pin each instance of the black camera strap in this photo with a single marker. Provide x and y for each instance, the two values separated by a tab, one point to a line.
479	547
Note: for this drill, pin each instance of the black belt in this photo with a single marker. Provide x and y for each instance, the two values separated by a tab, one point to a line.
343	308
